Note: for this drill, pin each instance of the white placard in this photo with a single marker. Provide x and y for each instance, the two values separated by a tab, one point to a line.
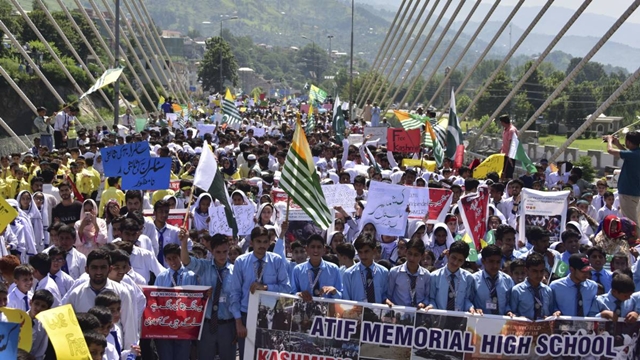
244	218
419	202
206	129
340	195
378	132
355	139
547	209
218	223
386	208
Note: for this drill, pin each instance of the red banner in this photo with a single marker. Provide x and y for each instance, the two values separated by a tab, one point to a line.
474	209
176	217
404	141
174	313
439	204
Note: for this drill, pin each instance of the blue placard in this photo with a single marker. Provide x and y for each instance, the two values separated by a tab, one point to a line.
9	336
143	173
113	157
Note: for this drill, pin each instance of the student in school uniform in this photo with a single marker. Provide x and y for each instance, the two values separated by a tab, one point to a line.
366	281
111	301
539	238
621	301
41	265
63	280
492	287
103	315
409	283
608	208
20	296
167	233
75	261
143	261
316	277
532	298
42	300
298	256
573	295
175	275
346	252
597	259
256	270
452	287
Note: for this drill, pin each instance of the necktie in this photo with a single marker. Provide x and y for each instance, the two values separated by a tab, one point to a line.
116	343
493	294
53	276
601	201
598	278
26	302
617	310
65	268
316	281
412	284
175	278
17	187
259	271
451	301
579	302
537	304
161	245
371	293
213	324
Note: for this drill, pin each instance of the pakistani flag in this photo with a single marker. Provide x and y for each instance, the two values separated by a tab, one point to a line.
438	152
516	152
338	120
454	133
317	94
231	114
560	268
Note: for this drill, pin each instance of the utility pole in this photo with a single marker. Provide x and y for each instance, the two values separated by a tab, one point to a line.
116	55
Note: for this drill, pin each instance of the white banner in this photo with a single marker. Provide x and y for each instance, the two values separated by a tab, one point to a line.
218	223
547	209
387	208
419	202
340	195
377	133
244	218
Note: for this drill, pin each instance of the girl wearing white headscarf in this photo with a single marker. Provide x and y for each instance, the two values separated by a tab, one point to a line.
245	199
23	230
584	239
439	242
40	200
267	214
31	212
200	212
91	231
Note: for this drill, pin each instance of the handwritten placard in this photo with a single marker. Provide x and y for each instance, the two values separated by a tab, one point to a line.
206	129
244	218
418	202
113	156
404	141
146	174
64	332
175	313
9	335
355	139
386	208
377	132
7	214
219	223
340	195
26	329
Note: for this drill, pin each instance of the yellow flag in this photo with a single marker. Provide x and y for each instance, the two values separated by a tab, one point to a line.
64	333
228	96
22	318
494	162
7	214
426	164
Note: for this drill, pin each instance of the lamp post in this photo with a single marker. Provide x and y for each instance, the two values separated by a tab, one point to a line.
221	76
315	66
353	8
330	37
116	55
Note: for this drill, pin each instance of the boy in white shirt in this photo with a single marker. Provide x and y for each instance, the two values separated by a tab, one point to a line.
42	300
103	315
41	265
64	281
20	295
608	208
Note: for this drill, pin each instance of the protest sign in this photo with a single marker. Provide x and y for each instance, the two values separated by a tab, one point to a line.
176	217
426	164
140	124
377	132
244	218
64	332
387	208
112	157
404	141
355	139
419	202
258	131
7	214
26	327
474	209
304	108
493	163
206	129
146	173
9	337
174	313
172	117
340	195
439	204
174	185
219	223
283	326
547	209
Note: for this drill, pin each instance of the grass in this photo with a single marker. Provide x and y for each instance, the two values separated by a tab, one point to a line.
582	144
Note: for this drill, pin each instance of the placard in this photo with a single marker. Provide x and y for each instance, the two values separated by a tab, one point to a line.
174	185
7	214
174	313
176	217
377	132
64	332
355	139
404	141
425	164
146	174
26	328
474	209
258	131
113	156
419	202
439	204
340	195
219	223
547	209
206	129
9	338
387	208
244	218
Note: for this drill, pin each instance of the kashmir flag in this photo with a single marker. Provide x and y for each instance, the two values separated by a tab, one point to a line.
213	183
311	121
110	76
301	182
454	133
409	121
438	152
230	111
338	120
516	152
560	268
317	94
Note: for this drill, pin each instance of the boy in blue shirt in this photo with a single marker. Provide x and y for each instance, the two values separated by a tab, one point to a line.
620	301
452	287
597	259
316	277
532	298
492	286
573	295
175	275
409	283
366	281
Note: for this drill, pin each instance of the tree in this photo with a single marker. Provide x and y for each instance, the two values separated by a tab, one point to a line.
314	60
209	70
580	103
493	95
194	33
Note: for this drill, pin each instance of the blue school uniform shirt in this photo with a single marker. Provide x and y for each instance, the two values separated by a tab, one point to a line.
354	283
481	294
565	295
523	301
603	277
608	302
207	272
400	286
274	276
302	278
185	277
439	289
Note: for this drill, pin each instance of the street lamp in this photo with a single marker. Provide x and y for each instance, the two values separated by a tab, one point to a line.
221	77
330	37
315	66
353	10
116	53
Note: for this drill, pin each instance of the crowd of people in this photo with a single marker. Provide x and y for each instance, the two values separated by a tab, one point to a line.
79	239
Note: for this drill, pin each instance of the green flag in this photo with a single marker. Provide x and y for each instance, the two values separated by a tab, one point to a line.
560	269
317	94
454	133
516	152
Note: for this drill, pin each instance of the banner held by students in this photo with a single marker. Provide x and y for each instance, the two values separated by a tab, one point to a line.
545	209
64	332
112	157
419	202
174	313
474	209
439	204
387	208
145	173
404	141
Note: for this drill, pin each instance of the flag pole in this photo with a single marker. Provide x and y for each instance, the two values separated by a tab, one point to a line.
286	216
186	215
